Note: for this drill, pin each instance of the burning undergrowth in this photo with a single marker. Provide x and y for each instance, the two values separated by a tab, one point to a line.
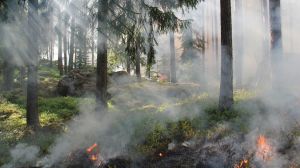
176	135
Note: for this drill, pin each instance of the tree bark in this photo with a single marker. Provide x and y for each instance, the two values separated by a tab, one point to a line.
59	57
8	71
65	44
226	85
276	42
172	59
101	81
72	46
32	116
93	44
138	63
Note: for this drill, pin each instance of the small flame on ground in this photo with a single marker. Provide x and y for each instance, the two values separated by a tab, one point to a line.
94	158
264	149
93	152
243	164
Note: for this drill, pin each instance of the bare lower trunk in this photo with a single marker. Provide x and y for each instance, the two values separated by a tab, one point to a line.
226	85
59	57
276	43
32	116
72	47
172	59
65	46
101	81
128	64
8	72
138	63
93	45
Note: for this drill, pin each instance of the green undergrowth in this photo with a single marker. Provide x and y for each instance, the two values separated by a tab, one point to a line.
54	112
197	117
156	121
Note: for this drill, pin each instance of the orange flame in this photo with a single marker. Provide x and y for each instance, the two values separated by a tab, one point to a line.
93	152
243	164
264	149
94	158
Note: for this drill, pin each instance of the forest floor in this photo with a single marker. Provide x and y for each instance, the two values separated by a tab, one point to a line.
166	114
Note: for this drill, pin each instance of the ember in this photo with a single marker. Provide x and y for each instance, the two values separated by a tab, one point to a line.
264	149
161	154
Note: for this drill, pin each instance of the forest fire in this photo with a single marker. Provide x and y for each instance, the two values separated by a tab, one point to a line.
264	150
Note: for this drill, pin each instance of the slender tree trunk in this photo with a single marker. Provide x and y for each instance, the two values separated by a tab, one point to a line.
128	64
85	55
51	51
226	85
72	46
22	76
65	44
138	63
93	44
172	59
101	81
59	57
8	71
276	42
32	115
204	45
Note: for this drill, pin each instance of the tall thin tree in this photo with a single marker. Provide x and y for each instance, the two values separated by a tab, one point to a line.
226	85
172	58
276	41
32	115
65	35
101	73
59	36
72	44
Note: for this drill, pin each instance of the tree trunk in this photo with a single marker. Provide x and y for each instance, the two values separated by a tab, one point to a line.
8	71
93	44
172	58
32	115
101	81
138	63
72	42
128	64
22	76
276	42
59	57
51	51
65	44
226	85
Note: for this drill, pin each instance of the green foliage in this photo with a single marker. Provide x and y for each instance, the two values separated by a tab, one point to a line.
59	108
166	21
182	130
47	72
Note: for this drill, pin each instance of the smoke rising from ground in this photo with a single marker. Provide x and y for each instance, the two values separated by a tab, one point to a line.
275	113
